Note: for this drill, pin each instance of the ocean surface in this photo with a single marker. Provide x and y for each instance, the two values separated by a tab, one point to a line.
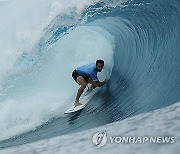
42	42
160	125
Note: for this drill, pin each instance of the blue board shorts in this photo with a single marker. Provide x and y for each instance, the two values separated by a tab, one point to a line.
75	74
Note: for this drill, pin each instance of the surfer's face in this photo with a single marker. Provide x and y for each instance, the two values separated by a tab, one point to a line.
99	67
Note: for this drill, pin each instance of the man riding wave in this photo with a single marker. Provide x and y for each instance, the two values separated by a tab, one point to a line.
87	74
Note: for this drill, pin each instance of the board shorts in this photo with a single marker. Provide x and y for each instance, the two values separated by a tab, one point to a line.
75	74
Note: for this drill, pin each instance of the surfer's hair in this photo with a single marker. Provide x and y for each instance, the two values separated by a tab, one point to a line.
99	61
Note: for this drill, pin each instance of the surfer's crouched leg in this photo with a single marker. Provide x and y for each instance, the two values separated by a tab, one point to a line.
83	85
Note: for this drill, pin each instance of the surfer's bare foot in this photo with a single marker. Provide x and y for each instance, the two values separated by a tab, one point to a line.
77	103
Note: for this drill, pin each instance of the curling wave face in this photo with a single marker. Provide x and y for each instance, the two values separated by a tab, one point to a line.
140	46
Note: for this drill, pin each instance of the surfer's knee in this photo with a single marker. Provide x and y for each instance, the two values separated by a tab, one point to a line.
81	80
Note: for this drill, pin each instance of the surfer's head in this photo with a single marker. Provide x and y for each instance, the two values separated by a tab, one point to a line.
99	65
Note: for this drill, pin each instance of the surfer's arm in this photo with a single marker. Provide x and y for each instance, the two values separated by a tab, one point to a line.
95	81
98	83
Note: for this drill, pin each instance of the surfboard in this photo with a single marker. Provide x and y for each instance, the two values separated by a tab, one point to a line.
83	100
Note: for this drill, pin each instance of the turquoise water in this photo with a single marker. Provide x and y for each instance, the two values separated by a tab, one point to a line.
139	41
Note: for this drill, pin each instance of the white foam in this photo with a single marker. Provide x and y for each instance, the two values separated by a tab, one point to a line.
20	29
23	24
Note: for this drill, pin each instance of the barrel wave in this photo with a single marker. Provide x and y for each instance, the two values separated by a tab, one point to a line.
139	41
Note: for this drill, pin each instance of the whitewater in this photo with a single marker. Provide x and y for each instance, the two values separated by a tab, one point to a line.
42	42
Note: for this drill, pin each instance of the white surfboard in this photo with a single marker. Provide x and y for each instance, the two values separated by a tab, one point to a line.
83	100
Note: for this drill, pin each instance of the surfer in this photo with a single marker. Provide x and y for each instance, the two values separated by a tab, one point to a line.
87	74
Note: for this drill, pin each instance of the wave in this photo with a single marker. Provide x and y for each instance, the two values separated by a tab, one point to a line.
39	86
137	40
